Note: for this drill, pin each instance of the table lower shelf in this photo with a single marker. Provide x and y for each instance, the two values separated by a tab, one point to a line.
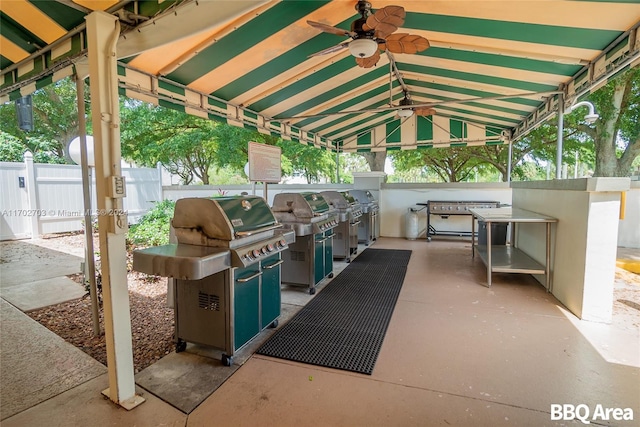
507	259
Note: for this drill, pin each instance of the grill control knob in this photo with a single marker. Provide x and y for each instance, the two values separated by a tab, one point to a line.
255	253
282	243
264	250
270	247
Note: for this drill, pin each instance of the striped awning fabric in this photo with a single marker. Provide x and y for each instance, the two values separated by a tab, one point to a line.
493	71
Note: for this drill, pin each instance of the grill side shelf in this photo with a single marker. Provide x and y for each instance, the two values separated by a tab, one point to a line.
181	261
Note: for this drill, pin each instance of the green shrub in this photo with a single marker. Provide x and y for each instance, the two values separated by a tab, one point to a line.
153	228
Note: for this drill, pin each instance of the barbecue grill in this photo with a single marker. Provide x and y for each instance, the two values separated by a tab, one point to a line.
345	237
310	258
445	208
227	269
369	228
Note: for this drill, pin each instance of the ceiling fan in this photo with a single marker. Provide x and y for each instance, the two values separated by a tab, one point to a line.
409	110
372	32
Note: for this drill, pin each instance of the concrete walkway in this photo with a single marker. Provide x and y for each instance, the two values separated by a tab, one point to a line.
455	353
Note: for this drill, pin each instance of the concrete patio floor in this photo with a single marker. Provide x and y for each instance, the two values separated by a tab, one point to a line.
455	353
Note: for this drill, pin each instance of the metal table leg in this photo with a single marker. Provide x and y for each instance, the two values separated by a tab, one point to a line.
488	224
473	238
547	267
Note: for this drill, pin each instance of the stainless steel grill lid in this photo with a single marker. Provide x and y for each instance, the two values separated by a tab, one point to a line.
366	200
364	197
301	205
223	218
305	213
356	207
349	197
336	199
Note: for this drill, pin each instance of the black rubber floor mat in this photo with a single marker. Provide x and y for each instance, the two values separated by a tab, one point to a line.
344	325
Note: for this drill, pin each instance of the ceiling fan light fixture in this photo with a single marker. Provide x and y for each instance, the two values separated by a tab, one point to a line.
406	112
363	48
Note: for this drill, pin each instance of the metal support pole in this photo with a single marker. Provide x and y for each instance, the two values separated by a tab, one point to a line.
265	196
509	162
88	218
103	31
338	166
560	133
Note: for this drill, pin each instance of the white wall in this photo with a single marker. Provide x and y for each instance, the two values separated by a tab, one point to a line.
396	199
629	228
584	241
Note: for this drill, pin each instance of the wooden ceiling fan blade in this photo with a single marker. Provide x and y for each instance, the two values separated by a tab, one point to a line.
406	43
424	111
384	29
370	61
390	16
329	29
419	42
331	49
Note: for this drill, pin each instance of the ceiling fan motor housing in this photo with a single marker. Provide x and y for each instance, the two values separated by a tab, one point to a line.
363	7
405	101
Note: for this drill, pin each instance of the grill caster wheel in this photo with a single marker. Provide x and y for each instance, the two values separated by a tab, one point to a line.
428	239
312	291
227	360
274	324
330	275
181	346
348	260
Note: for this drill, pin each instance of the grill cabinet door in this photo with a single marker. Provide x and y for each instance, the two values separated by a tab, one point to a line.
270	292
328	252
318	258
246	305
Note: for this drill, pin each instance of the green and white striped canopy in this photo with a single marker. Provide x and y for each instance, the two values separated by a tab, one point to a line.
493	71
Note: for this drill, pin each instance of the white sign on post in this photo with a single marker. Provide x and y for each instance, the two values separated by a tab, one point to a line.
264	163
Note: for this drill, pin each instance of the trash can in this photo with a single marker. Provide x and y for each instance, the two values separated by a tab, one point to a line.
498	233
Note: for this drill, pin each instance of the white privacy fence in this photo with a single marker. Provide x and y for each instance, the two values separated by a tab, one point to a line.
37	199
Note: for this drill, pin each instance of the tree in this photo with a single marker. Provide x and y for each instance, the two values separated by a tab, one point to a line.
313	162
616	135
452	164
55	116
375	160
185	145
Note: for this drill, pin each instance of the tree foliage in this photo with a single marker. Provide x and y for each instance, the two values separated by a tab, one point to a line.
185	145
196	148
55	116
452	164
311	162
616	135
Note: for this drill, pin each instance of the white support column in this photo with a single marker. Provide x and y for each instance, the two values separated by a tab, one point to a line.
103	31
32	194
560	136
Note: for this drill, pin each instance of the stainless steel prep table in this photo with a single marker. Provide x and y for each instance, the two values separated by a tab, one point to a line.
509	259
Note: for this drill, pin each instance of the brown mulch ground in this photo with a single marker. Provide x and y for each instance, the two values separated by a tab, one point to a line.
151	320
